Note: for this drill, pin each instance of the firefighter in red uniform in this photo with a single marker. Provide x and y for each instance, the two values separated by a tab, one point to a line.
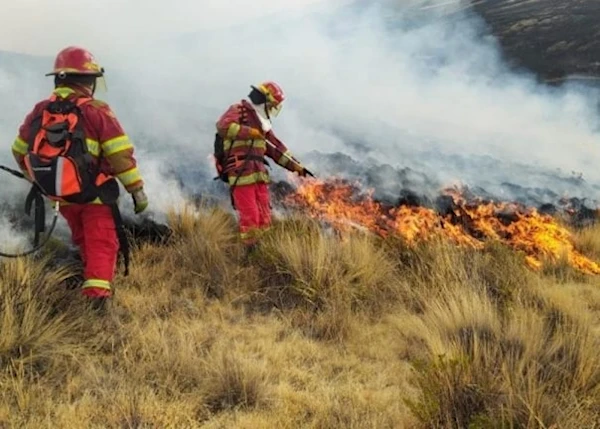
245	129
92	225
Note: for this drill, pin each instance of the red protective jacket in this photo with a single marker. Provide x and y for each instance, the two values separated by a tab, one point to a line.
241	129
105	139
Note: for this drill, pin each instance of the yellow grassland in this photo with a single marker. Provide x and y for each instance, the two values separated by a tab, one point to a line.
315	330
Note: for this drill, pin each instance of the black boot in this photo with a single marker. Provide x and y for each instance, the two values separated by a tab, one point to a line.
250	252
99	305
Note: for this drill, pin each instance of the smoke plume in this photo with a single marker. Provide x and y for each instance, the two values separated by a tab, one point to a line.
395	93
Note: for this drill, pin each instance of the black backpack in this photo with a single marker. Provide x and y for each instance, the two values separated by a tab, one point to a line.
220	158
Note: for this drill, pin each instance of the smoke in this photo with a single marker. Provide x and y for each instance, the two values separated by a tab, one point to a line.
408	88
390	84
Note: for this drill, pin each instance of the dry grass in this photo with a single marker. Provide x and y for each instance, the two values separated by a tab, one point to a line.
323	281
315	330
587	240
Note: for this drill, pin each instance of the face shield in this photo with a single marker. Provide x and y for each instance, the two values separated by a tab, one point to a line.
101	86
275	110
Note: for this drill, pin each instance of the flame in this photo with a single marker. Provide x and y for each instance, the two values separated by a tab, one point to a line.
469	223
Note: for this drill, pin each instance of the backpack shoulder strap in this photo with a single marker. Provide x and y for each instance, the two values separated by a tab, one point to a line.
244	112
82	100
36	123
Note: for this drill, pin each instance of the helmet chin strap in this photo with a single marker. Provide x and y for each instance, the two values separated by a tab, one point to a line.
263	115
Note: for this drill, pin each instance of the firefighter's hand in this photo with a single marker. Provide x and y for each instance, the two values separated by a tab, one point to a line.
140	201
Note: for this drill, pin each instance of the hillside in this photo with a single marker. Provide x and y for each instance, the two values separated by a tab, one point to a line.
554	39
318	330
443	270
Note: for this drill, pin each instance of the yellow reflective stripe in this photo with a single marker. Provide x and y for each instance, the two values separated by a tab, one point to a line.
93	147
259	176
63	92
248	234
129	177
258	144
284	159
233	130
102	284
20	146
65	203
118	144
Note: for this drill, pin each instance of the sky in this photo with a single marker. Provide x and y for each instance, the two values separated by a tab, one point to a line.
102	25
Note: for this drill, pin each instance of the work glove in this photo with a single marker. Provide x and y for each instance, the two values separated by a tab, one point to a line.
140	201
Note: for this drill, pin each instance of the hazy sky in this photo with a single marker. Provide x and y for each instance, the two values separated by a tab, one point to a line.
43	26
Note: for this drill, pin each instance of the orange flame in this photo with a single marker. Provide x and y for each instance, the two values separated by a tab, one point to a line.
540	237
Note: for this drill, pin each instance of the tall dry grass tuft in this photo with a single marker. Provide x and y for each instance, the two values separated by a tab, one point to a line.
306	267
488	369
235	382
40	327
200	260
325	278
208	248
433	267
587	240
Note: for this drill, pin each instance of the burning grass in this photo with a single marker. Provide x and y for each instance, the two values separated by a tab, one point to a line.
469	222
320	329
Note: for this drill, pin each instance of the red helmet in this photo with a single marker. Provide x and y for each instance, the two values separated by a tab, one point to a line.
76	61
274	96
272	92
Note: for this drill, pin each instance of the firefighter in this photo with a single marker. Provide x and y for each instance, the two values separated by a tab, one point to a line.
92	224
245	131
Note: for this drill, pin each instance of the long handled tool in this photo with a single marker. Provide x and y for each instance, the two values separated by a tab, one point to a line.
35	195
289	157
13	172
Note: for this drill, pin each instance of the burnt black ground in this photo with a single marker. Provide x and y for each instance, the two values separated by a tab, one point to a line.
553	38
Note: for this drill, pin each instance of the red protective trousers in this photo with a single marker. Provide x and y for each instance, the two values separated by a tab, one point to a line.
93	231
254	209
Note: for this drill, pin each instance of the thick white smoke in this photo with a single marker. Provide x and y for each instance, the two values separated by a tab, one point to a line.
401	83
394	81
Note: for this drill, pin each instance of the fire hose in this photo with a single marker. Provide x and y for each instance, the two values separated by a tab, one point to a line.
34	196
289	158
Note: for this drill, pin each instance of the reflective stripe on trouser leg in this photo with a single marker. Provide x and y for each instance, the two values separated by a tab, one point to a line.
96	283
250	236
246	205
96	288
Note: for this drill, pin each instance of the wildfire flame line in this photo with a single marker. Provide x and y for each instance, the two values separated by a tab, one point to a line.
469	223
